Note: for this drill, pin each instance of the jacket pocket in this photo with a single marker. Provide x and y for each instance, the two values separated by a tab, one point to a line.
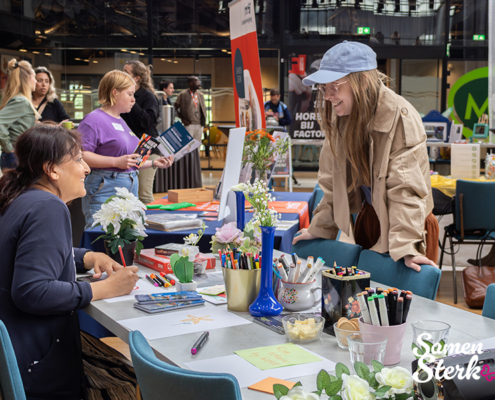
94	183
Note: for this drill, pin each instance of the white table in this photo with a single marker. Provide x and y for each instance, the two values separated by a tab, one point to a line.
466	327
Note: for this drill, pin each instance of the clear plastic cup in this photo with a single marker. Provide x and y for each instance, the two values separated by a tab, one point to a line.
366	347
436	330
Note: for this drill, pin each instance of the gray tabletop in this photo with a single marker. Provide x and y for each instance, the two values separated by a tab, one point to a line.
466	327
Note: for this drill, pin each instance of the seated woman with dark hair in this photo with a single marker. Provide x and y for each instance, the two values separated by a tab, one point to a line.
39	293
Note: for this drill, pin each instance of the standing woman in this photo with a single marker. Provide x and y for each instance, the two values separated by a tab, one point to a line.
374	161
143	119
45	98
17	113
109	144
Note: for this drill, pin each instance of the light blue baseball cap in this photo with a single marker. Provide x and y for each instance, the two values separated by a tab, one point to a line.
341	60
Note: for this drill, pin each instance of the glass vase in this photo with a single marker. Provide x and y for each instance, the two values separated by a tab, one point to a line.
240	202
262	175
266	303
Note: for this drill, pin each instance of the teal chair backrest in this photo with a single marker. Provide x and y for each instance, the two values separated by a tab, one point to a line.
489	304
344	254
315	200
477	200
395	273
158	380
10	379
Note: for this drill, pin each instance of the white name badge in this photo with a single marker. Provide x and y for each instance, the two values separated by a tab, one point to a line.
118	127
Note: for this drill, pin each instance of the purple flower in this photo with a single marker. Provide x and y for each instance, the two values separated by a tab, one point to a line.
227	233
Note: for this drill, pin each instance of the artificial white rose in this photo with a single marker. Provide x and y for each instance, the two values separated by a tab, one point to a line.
298	393
356	388
400	380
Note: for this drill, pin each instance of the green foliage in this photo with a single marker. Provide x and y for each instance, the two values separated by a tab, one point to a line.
341	369
382	390
377	366
362	370
372	380
333	387
322	380
260	149
280	390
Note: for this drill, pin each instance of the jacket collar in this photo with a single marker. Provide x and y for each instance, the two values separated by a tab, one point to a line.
386	110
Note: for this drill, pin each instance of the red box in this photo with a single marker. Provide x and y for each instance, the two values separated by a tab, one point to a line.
159	263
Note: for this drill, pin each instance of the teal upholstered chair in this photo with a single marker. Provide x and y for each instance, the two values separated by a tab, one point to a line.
10	379
344	254
315	200
489	304
391	273
474	220
183	384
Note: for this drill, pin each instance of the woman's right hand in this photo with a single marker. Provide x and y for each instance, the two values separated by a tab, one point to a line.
126	161
119	283
303	235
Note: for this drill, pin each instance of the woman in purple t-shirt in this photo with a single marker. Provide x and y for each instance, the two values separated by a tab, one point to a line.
109	144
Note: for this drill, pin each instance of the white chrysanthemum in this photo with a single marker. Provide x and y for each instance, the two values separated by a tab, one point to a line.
107	215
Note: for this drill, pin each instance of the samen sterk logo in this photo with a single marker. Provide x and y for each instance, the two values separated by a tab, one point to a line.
469	97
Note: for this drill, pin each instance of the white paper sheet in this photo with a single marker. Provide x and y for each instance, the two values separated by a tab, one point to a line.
465	161
142	287
175	323
247	374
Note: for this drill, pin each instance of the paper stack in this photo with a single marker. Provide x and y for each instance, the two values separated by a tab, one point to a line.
173	222
465	162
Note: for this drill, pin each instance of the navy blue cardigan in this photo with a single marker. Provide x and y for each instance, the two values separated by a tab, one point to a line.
39	295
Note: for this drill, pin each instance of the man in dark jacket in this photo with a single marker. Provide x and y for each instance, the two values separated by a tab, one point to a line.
276	109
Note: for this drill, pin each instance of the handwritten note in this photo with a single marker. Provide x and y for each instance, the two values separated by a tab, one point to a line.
277	356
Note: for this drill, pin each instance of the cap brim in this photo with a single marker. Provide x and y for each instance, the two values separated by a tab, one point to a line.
322	76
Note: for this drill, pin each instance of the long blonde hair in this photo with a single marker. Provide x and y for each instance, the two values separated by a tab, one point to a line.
18	82
113	80
144	72
350	135
51	94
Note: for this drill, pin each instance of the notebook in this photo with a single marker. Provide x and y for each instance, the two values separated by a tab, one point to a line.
166	297
160	307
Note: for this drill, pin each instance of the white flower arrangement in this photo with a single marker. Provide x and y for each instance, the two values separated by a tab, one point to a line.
122	218
193	239
381	383
258	196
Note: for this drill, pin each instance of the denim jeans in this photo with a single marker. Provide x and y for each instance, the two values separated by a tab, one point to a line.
9	161
100	185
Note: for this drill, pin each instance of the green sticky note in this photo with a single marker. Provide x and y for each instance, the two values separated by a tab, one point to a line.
277	356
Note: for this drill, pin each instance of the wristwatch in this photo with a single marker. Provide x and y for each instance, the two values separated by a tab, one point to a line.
153	164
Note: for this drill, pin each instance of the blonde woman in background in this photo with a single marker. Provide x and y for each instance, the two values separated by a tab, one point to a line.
143	118
109	144
45	98
17	113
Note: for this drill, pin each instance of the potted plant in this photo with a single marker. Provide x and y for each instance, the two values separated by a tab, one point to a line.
122	218
261	150
381	383
182	264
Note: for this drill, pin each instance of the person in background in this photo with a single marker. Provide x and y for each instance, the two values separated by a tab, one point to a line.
17	113
276	109
373	161
109	144
143	118
45	98
167	87
40	294
191	109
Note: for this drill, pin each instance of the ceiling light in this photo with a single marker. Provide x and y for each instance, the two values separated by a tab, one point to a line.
176	62
141	54
37	32
124	50
36	52
48	54
133	52
77	59
229	52
95	62
23	50
42	37
169	60
86	60
224	50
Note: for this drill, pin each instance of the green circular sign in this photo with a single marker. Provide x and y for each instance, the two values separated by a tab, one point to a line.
469	97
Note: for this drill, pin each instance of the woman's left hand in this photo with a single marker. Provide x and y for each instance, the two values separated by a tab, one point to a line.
101	263
414	262
164	162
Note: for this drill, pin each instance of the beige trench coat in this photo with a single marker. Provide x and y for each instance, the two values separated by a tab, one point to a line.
400	185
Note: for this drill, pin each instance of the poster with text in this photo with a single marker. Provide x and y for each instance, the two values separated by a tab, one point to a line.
302	99
248	94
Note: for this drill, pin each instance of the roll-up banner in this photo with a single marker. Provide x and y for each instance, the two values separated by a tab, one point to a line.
302	99
248	92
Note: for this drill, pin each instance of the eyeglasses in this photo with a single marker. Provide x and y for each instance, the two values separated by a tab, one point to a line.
332	88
